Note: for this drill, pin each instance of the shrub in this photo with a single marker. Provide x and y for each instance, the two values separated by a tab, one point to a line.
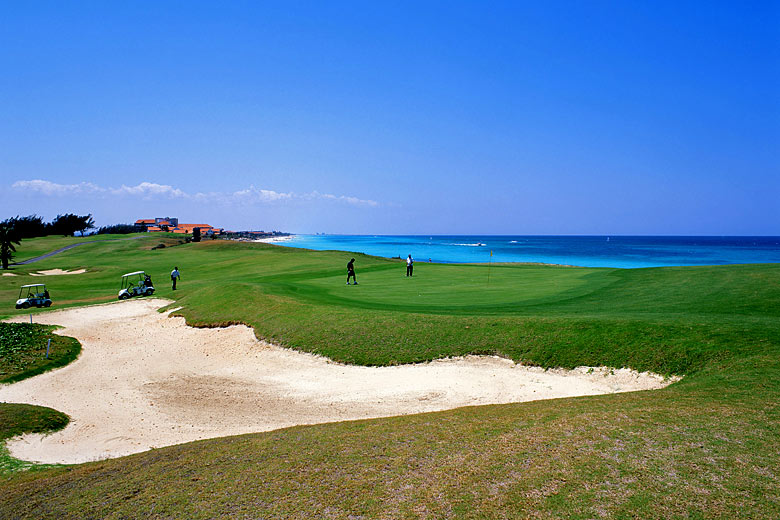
118	229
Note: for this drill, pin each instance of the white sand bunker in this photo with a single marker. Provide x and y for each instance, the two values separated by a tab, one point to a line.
145	380
9	274
50	272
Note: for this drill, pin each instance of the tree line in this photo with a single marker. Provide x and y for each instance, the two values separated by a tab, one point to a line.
33	226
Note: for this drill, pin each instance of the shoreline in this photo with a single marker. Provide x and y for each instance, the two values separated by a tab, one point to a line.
592	251
273	240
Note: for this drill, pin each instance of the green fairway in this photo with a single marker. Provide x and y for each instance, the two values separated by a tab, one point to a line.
34	247
705	447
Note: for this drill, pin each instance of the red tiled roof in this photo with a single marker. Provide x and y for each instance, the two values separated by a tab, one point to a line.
190	227
153	228
145	221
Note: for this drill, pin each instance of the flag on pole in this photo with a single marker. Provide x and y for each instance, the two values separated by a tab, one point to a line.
490	263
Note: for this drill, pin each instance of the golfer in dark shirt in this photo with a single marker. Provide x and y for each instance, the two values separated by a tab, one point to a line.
351	271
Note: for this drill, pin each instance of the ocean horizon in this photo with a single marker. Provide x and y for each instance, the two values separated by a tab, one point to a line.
623	251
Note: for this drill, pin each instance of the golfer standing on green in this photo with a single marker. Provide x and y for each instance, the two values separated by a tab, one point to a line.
175	276
351	271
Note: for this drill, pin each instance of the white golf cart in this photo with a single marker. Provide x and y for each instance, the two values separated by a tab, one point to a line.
33	294
137	283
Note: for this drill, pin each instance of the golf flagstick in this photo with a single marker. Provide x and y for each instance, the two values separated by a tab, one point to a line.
490	264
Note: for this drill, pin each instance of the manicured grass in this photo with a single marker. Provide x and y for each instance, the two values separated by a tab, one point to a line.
34	247
106	261
702	448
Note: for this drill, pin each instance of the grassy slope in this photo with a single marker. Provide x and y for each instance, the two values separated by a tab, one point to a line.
32	247
704	447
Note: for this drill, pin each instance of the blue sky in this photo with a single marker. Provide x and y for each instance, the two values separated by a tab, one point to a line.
396	117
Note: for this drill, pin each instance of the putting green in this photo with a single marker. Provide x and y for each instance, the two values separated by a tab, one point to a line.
451	288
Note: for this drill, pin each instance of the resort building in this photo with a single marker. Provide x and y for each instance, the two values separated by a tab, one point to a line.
171	224
158	221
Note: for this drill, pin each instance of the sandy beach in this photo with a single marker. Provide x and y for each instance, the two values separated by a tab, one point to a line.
147	380
271	240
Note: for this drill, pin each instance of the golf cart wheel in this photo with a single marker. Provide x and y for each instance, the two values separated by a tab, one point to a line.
124	296
47	304
149	292
26	305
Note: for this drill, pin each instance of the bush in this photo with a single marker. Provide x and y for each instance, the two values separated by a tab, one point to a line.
118	229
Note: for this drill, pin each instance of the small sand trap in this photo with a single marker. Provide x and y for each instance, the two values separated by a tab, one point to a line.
146	380
9	274
50	272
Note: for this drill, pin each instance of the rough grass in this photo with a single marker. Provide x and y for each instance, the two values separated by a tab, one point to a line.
23	350
23	355
706	447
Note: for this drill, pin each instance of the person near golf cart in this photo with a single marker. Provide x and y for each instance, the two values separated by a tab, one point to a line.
33	294
351	271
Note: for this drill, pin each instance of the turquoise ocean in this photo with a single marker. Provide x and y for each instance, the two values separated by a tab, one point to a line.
586	251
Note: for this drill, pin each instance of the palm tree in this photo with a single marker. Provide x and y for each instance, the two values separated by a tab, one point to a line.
8	237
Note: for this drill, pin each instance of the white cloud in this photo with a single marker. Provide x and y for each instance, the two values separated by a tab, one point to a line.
345	199
150	190
52	188
255	194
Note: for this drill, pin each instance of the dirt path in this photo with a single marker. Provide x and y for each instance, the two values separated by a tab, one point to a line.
146	380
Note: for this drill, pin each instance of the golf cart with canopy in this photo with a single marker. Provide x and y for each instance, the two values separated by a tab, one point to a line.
137	283
33	294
